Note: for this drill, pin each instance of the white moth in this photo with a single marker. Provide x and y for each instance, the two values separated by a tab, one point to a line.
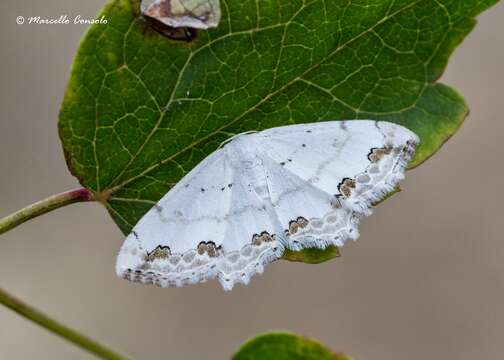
197	14
295	186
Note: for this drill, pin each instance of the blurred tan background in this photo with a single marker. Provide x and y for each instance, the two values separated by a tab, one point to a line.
425	280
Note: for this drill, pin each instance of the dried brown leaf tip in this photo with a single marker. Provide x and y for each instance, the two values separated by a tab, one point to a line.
196	14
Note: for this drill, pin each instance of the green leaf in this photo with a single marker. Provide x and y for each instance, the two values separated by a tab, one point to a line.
284	346
312	255
141	110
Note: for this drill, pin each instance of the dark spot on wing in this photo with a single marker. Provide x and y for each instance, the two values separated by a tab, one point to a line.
160	252
264	237
336	202
346	186
376	154
209	248
296	225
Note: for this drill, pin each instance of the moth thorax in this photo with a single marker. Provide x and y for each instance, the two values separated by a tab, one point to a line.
242	153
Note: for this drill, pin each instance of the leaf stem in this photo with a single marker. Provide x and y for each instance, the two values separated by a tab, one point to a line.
71	335
44	206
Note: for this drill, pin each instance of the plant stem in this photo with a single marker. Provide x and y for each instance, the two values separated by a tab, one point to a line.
57	328
44	206
25	214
